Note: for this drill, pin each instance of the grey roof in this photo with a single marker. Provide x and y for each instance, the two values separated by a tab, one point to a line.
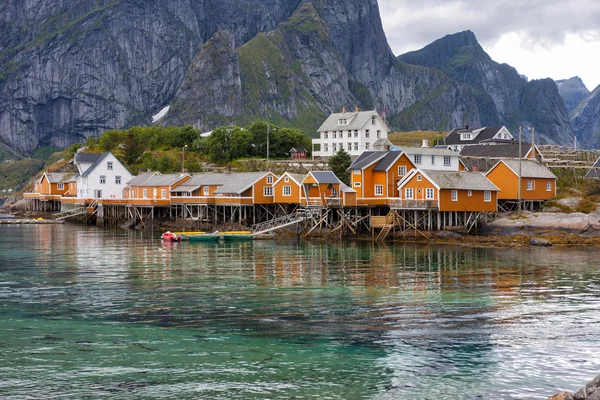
366	158
95	164
237	183
59	177
386	162
460	180
346	189
529	169
356	120
594	173
487	133
496	150
137	180
325	177
88	158
160	180
296	177
198	180
435	151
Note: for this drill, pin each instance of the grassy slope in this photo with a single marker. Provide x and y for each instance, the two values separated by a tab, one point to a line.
414	138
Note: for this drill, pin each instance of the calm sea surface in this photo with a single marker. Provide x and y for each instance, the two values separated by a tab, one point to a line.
86	313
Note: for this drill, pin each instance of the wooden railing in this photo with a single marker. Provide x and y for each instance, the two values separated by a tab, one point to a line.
413	204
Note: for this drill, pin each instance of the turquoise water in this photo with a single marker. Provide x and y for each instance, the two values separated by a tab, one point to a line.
87	313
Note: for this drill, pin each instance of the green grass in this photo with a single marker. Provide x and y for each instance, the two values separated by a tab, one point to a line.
415	138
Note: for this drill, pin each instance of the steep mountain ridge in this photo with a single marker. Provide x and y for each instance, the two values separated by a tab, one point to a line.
503	96
572	91
586	120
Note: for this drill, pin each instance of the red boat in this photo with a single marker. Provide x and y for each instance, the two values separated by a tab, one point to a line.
170	237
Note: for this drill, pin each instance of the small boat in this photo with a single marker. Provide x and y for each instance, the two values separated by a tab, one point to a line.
170	237
205	237
237	236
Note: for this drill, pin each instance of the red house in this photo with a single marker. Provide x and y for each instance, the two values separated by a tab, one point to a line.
297	153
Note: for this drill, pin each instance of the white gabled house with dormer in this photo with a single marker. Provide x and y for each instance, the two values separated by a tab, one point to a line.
101	176
354	132
459	138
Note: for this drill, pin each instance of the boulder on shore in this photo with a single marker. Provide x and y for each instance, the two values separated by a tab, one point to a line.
562	396
540	242
591	391
579	223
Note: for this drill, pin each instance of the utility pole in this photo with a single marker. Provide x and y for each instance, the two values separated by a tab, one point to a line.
183	159
520	129
268	131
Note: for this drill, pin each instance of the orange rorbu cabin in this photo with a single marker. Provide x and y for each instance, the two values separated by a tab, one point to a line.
324	189
288	189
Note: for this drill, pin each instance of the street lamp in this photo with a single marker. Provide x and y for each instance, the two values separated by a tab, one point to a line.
183	159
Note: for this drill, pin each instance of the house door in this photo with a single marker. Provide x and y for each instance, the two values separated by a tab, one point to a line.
97	194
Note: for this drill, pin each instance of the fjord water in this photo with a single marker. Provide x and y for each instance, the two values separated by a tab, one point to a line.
87	313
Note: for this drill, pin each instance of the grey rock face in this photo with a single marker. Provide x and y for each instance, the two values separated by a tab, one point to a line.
591	391
572	91
586	120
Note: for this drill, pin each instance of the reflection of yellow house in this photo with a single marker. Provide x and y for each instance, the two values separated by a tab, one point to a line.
538	183
448	191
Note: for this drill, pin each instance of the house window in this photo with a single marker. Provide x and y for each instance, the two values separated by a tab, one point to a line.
372	120
446	161
325	148
465	136
154	193
417	158
102	179
429	193
349	145
268	191
109	166
357	172
270	179
342	122
367	145
335	135
432	160
454	195
117	180
355	133
419	178
355	146
487	196
286	179
378	190
325	135
548	186
349	134
470	193
145	194
366	133
61	186
408	193
163	193
378	134
206	190
356	184
530	185
287	190
401	170
334	192
335	147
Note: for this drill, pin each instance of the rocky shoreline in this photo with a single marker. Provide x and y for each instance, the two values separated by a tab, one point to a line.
591	391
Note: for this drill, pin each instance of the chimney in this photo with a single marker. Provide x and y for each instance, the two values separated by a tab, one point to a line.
184	170
425	143
357	109
467	127
343	109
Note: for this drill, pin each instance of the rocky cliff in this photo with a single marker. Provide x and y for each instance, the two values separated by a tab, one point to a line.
572	91
503	96
586	120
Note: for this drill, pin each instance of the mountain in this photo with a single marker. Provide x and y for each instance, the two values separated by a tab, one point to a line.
572	91
586	120
72	69
503	96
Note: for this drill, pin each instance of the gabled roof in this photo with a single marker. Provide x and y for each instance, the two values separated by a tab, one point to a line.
487	133
459	180
387	161
346	189
510	150
529	169
356	120
297	149
298	178
238	183
87	158
366	158
160	180
325	177
434	151
95	164
594	173
59	177
137	180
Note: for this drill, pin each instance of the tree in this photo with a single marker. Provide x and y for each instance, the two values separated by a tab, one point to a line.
339	164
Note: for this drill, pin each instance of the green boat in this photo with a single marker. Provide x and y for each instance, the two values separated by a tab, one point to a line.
236	237
208	237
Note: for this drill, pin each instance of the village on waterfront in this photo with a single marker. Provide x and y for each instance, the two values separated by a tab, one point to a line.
457	186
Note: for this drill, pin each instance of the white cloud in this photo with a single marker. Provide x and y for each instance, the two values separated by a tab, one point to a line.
541	38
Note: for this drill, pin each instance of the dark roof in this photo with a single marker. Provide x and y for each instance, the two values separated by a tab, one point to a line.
487	133
594	173
496	150
385	163
87	157
366	158
297	149
326	177
95	164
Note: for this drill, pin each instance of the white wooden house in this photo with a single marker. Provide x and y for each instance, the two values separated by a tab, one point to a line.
101	176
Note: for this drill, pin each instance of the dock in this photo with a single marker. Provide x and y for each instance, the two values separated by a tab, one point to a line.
18	221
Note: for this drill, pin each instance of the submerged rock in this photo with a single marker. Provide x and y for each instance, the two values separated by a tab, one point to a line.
539	242
562	396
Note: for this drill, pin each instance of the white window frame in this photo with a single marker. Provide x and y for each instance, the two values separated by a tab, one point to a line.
60	186
419	178
144	193
378	190
530	185
270	180
103	179
163	194
206	190
356	184
334	192
287	190
409	193
355	133
548	186
286	179
268	191
109	165
367	133
447	161
487	196
401	170
355	146
117	180
357	172
417	159
367	145
429	194
154	193
469	193
454	195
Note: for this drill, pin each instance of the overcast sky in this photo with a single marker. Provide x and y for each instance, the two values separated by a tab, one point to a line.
540	38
